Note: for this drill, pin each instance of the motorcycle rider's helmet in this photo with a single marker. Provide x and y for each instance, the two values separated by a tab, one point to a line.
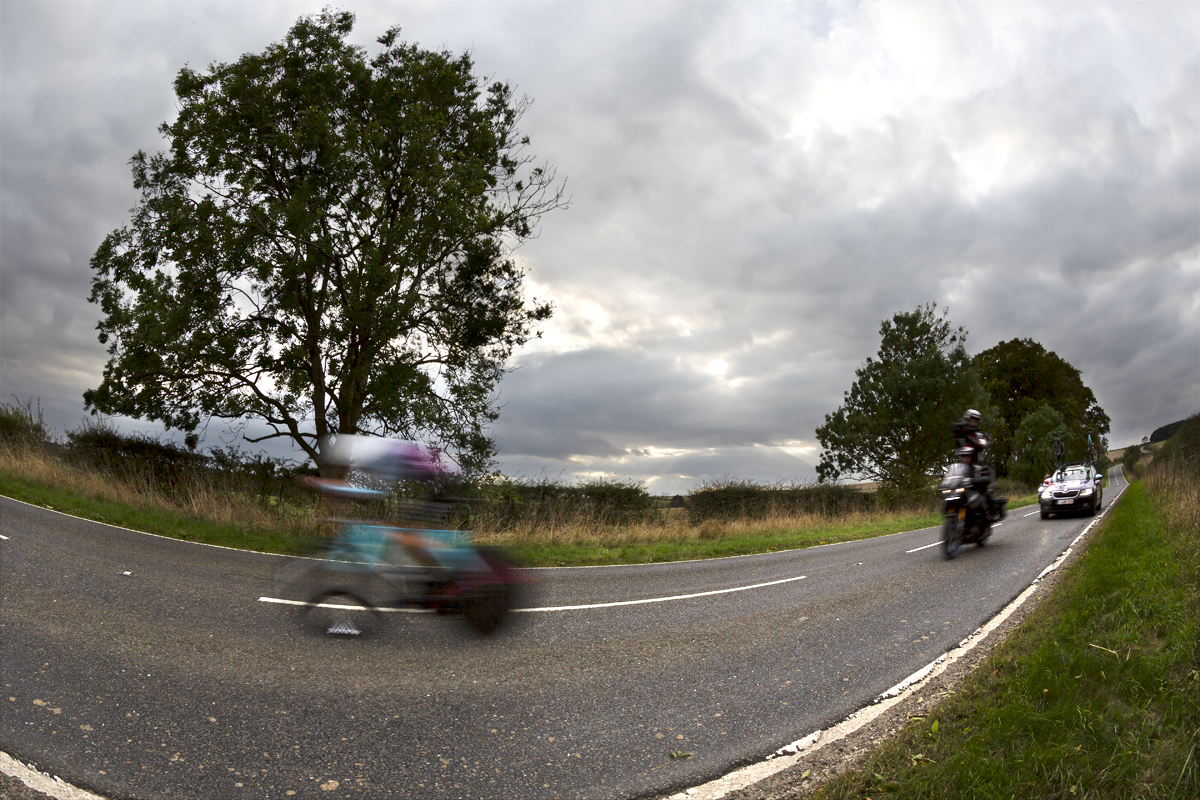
965	452
973	415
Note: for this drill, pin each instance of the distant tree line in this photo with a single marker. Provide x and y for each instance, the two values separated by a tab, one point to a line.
895	424
1166	431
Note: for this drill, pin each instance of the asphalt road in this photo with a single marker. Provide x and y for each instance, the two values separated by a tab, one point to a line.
138	666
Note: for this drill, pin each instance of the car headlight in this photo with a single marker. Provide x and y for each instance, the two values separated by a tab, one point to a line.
1085	491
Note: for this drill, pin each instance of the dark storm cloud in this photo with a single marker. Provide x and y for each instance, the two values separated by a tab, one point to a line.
755	187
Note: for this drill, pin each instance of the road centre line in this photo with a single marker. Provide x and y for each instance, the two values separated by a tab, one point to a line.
382	610
558	608
935	544
664	599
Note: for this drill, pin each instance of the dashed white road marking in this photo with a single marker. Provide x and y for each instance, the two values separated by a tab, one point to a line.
1031	513
5	538
383	610
923	547
664	599
564	608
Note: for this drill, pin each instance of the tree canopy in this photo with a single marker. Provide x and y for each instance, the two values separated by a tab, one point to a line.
1033	443
1021	376
327	246
896	420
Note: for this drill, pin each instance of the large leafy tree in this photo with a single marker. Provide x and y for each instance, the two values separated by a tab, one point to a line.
1033	442
1021	376
896	420
326	246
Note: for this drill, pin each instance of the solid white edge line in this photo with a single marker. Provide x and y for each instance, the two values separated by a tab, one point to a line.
54	787
145	533
561	608
789	755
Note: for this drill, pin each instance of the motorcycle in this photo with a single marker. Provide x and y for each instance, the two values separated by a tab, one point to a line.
965	510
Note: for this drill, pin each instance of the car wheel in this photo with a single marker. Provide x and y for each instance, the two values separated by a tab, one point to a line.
1045	514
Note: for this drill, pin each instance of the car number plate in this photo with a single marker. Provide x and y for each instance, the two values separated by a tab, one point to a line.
1067	501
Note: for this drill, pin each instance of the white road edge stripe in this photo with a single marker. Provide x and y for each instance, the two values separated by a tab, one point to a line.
562	608
47	785
789	755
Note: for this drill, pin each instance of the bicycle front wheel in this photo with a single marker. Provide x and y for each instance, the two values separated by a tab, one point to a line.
337	612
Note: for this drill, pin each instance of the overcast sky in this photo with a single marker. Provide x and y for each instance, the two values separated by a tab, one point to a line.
755	187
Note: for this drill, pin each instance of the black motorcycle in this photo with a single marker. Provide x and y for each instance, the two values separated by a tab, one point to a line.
965	510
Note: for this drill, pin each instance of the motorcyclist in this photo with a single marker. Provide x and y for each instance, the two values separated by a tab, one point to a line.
970	442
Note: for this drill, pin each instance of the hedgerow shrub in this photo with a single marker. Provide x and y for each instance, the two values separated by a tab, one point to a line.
741	499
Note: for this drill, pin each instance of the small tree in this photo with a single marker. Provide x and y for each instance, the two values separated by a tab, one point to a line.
326	247
895	424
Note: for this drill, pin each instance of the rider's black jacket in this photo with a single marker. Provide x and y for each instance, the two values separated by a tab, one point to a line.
966	436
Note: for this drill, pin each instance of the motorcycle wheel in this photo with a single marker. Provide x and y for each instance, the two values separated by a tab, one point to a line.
951	537
336	612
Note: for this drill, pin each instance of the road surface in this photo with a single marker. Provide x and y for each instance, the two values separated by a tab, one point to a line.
139	666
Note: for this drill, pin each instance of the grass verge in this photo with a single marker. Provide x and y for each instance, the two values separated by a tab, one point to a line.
1097	695
164	522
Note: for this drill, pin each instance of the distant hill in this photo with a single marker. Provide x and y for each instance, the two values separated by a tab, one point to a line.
1184	445
1166	431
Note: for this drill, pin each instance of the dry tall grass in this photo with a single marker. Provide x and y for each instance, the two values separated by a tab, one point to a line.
671	526
1175	486
198	495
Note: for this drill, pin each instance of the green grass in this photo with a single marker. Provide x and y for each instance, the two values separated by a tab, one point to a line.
175	524
687	549
1097	695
